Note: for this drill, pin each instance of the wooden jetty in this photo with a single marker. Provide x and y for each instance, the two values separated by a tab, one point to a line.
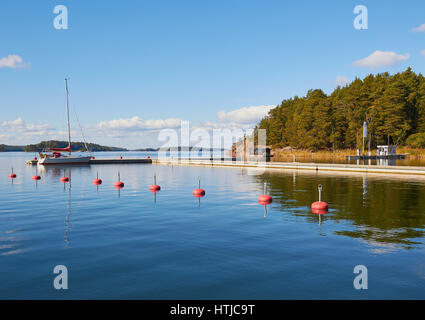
322	167
231	162
107	161
383	152
388	157
137	160
121	161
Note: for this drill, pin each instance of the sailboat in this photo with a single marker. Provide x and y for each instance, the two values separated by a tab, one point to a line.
56	157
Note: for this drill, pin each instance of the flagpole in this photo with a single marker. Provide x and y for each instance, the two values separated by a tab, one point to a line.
364	134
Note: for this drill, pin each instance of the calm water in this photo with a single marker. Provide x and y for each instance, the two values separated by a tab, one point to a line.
123	244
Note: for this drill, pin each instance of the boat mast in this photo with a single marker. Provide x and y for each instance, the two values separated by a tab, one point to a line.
67	112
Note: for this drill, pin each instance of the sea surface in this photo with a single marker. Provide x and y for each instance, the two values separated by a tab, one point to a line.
133	244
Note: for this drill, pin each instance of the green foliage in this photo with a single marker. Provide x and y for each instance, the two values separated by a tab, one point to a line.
393	106
416	140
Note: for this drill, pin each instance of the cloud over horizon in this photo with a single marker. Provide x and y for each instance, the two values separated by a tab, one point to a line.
380	59
20	126
13	61
136	123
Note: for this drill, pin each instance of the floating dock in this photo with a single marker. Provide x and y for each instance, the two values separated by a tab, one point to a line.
120	161
133	160
267	165
388	157
106	161
300	166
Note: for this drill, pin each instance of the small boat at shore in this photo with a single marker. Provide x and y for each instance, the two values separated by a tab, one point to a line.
56	157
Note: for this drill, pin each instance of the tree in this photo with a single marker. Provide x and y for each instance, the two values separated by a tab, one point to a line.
393	106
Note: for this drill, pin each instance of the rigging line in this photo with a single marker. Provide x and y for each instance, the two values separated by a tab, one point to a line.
79	124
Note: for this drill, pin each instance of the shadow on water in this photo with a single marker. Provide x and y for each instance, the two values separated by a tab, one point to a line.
371	209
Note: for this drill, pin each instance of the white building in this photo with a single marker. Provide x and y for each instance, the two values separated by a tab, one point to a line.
386	150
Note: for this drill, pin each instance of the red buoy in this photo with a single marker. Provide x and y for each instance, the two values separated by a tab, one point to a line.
12	175
265	199
154	187
36	177
97	181
64	179
119	184
319	207
148	157
199	193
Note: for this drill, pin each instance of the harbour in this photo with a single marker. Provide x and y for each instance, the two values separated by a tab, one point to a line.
212	158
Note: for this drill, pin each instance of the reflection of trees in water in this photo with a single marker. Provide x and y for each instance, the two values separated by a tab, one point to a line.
372	235
384	211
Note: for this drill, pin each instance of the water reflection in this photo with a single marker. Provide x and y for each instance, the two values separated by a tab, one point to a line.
364	190
364	207
386	162
68	212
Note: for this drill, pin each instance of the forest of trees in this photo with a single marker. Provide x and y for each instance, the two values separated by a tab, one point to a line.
392	105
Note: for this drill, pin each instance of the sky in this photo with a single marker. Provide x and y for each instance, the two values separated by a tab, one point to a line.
137	68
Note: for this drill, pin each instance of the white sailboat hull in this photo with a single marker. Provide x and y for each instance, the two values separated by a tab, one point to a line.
64	160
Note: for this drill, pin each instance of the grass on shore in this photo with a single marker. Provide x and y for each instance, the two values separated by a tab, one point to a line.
287	154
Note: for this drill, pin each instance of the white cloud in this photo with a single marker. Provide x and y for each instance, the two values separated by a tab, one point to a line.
12	61
421	28
20	126
342	81
246	115
135	123
18	132
381	59
423	52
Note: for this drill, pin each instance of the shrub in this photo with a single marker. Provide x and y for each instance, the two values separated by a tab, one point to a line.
416	140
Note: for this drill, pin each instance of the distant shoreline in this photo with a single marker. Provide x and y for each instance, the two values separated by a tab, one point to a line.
81	147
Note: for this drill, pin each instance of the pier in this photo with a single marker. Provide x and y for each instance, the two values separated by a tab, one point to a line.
228	162
299	166
121	161
387	157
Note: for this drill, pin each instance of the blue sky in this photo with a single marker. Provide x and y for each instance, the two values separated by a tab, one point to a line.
140	66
